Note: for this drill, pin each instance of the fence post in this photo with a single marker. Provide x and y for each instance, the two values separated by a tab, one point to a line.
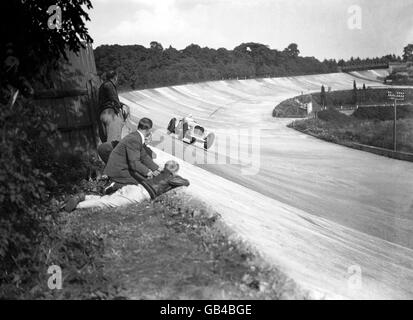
395	127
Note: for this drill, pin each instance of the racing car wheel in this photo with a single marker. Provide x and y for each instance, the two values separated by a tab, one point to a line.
171	125
209	141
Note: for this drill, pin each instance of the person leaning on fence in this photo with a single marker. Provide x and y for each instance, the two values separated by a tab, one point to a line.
113	113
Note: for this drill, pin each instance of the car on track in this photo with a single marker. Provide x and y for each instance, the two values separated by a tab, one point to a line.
190	131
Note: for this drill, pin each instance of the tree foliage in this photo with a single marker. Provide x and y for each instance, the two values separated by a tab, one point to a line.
27	37
355	95
292	50
323	96
141	67
27	170
408	53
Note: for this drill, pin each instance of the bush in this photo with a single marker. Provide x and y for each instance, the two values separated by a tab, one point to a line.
24	187
332	115
30	178
369	132
68	169
384	113
29	172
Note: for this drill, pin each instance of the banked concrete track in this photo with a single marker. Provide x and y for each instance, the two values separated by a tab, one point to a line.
338	221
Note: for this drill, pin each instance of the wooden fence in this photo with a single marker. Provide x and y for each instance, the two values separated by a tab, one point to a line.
72	92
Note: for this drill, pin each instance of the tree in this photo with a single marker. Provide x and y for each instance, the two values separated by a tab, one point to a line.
323	96
28	169
408	53
354	92
27	36
292	50
156	56
195	63
156	46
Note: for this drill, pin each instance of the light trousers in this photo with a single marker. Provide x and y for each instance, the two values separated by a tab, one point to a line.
112	125
130	194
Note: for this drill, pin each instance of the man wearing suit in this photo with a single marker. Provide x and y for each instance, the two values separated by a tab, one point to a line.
105	149
129	162
130	194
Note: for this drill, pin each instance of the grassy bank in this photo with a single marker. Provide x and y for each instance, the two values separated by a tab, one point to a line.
173	248
292	108
335	127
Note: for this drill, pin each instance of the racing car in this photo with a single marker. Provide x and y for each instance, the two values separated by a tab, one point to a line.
190	132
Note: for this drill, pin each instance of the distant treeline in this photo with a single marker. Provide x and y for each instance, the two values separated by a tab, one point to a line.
139	67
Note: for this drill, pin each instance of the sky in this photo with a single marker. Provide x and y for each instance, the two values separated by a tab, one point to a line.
321	28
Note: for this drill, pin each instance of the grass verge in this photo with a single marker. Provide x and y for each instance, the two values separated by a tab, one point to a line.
335	127
173	248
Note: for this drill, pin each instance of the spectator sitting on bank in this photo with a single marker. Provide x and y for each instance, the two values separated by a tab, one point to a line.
132	194
105	149
129	162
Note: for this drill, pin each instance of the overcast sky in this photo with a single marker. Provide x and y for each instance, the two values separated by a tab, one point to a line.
319	27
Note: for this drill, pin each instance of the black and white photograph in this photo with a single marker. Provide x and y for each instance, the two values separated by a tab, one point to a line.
206	155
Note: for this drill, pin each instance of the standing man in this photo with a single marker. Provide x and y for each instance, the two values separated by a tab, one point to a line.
111	111
129	162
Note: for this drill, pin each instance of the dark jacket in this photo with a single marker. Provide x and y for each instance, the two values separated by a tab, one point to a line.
105	149
108	97
129	162
163	183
